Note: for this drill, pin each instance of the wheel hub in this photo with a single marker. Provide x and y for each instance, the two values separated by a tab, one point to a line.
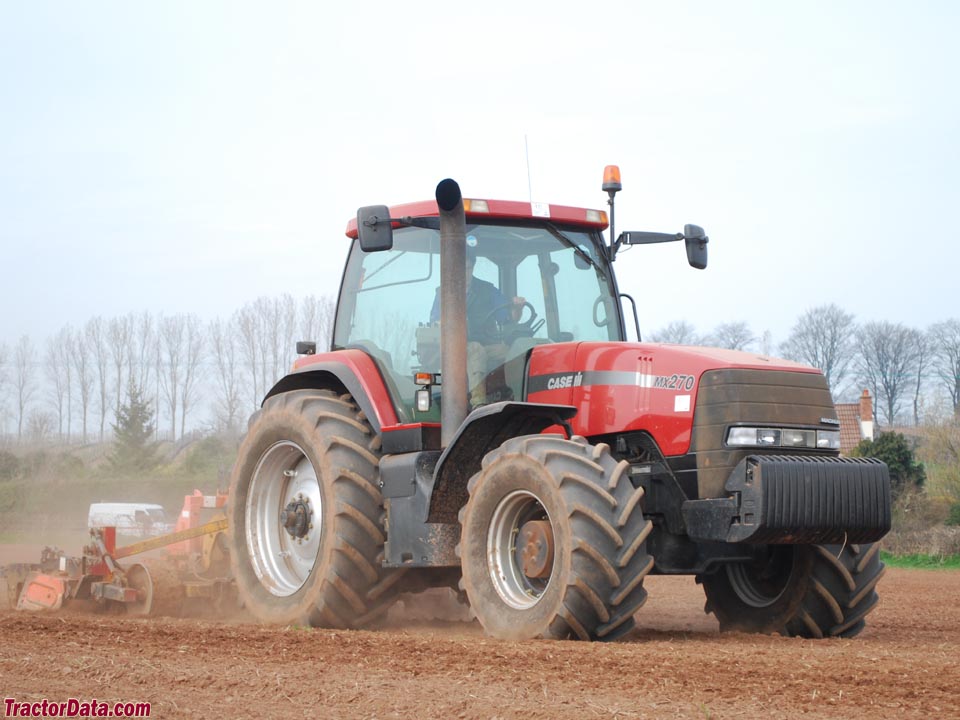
297	517
520	550
534	551
762	582
283	515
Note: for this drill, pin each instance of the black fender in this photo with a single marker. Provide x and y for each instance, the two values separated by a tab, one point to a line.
485	428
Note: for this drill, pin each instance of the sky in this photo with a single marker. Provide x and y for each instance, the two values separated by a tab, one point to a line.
190	157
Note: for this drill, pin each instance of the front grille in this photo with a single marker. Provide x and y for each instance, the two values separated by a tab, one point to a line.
766	398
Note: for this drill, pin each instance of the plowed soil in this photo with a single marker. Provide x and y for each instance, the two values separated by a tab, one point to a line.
906	664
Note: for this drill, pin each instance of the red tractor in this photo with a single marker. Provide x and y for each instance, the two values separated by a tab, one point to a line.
481	423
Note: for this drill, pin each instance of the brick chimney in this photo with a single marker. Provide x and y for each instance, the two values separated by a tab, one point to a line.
866	415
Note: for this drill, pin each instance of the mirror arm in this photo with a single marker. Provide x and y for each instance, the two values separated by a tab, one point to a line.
430	223
647	238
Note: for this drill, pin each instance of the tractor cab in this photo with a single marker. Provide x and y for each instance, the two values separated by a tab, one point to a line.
530	281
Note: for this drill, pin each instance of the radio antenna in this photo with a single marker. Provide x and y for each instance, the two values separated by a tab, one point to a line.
526	147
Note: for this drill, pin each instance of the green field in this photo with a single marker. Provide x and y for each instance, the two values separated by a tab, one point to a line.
922	562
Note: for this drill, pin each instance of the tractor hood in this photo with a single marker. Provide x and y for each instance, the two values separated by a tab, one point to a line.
620	387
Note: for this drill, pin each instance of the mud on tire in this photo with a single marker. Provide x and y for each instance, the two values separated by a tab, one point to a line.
595	584
811	591
306	449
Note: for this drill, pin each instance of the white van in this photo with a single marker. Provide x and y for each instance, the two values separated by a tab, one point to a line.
131	519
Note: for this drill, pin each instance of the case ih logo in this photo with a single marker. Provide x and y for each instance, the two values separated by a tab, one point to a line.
561	382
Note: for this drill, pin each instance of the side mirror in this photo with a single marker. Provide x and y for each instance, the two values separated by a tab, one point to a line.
696	241
374	228
306	347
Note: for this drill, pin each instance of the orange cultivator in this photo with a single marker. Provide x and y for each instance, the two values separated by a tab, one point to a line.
194	564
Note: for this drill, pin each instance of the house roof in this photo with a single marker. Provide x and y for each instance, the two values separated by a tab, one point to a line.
850	433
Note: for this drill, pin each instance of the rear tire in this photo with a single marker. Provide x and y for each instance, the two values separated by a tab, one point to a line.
594	584
313	454
811	591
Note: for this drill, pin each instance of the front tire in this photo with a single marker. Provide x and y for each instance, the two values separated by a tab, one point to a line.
577	569
306	513
811	591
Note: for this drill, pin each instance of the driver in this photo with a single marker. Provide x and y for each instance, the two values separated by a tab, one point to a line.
487	307
487	310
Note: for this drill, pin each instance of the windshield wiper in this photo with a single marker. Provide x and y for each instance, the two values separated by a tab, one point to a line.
578	251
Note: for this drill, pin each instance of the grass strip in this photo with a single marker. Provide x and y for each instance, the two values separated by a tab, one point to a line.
922	562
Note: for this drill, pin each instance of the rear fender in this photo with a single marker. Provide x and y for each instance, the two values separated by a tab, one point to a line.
485	428
352	371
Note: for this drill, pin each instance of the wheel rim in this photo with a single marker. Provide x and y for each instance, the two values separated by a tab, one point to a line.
283	555
514	587
138	577
760	584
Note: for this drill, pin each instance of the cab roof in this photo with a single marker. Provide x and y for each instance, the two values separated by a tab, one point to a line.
501	210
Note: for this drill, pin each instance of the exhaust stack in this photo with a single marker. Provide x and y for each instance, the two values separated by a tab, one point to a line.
453	310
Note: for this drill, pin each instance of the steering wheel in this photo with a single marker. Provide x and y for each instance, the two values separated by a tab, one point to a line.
526	325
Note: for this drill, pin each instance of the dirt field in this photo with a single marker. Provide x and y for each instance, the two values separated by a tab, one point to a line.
905	665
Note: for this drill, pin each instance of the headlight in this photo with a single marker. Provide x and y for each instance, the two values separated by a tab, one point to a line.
783	437
750	436
828	439
799	438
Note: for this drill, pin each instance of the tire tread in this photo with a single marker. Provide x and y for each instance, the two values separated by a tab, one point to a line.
608	559
353	587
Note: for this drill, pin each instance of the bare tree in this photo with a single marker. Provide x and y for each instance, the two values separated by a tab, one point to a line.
119	334
316	320
276	327
3	380
732	336
262	312
225	342
39	425
65	340
824	337
83	374
192	367
97	340
887	363
679	332
170	335
945	340
249	327
283	344
267	329
920	369
23	363
142	353
180	356
56	366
